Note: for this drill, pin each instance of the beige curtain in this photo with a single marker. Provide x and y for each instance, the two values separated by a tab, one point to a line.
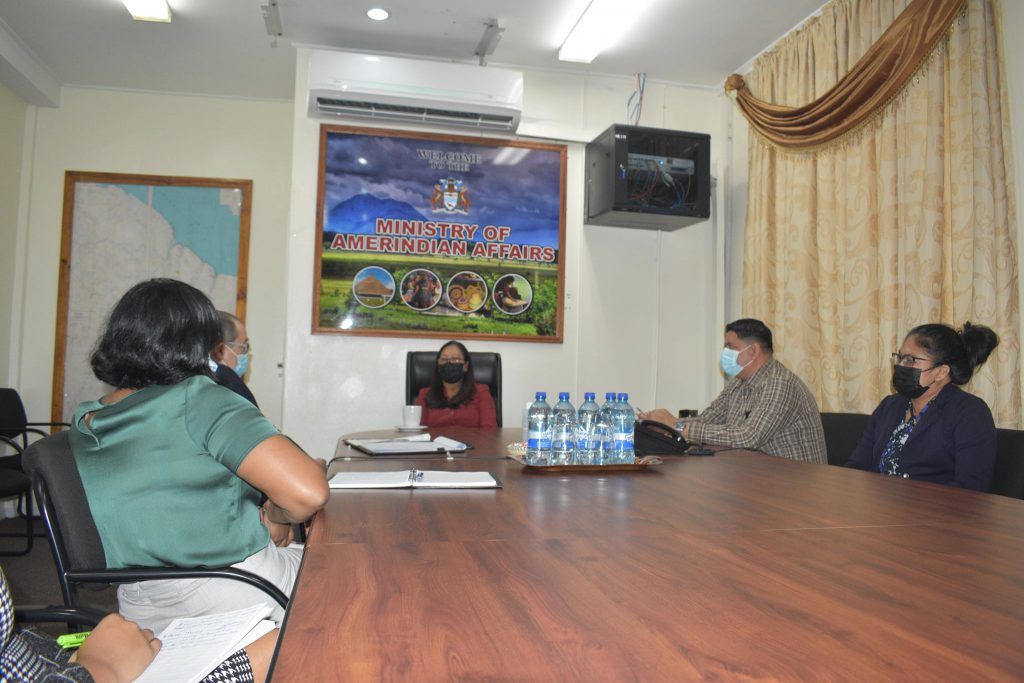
911	220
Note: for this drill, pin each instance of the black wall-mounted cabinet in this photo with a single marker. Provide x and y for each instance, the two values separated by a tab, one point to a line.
648	178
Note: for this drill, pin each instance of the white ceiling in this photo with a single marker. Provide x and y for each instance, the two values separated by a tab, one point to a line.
221	47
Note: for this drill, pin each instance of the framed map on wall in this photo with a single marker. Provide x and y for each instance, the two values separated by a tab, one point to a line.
121	229
443	236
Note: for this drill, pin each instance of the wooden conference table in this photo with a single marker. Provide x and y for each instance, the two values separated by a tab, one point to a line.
736	566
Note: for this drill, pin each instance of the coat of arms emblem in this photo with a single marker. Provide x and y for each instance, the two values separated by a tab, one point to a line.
449	197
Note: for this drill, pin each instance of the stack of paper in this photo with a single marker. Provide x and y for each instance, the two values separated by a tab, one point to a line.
421	443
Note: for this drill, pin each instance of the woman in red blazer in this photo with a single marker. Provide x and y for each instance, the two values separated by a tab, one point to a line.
453	398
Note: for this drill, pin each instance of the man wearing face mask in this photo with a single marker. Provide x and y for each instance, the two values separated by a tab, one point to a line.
229	360
763	407
930	429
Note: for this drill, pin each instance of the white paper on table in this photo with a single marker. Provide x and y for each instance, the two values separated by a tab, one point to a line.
364	442
370	480
193	647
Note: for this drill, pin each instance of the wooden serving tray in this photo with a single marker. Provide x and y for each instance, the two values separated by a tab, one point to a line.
639	464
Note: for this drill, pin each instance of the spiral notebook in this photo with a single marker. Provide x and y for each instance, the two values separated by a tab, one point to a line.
401	479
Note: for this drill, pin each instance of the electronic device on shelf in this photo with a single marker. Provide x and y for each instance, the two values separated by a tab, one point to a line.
648	178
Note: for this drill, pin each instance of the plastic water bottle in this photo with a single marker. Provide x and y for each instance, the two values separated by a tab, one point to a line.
606	430
587	446
538	437
563	431
625	419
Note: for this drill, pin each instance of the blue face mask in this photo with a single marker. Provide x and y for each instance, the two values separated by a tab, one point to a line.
728	361
243	364
241	361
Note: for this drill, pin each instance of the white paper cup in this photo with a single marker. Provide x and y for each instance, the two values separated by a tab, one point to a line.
411	416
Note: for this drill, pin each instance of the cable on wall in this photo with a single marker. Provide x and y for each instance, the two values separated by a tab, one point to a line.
635	103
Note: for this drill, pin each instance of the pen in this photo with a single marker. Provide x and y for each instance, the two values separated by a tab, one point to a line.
71	640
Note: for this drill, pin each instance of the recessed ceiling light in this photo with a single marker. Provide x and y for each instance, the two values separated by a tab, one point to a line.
149	10
371	58
378	13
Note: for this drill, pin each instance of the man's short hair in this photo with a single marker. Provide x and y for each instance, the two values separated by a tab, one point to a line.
751	330
228	329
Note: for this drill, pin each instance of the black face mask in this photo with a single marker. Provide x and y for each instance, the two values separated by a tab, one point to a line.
452	373
907	381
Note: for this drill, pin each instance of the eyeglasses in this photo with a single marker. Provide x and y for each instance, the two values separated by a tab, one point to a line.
240	347
449	361
907	360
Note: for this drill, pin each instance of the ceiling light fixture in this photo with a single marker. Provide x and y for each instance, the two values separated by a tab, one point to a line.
149	10
602	22
378	13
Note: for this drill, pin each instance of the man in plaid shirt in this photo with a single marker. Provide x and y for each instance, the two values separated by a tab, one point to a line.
763	407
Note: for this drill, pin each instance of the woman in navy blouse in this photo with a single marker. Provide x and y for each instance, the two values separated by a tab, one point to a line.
931	429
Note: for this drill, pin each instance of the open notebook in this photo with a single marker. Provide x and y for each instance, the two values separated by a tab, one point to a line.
401	479
193	647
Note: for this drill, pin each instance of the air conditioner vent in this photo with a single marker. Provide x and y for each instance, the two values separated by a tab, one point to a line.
414	91
399	112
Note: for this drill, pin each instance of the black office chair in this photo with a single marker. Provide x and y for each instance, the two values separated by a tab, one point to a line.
15	430
14	422
419	369
75	541
842	433
1008	473
14	482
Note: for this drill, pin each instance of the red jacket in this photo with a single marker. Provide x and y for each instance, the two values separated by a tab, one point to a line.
478	411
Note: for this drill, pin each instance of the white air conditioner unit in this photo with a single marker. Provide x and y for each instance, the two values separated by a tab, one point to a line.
413	91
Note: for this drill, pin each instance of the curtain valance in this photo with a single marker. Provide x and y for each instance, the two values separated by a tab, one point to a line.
874	81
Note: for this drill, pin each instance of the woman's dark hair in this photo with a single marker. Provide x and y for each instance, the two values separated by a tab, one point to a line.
962	351
160	332
435	397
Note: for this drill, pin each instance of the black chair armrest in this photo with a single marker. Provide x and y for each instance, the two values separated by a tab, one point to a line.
49	424
13	444
132	574
38	614
40	432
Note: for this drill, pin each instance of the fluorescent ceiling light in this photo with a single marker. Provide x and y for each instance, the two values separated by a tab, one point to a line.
378	13
149	10
600	25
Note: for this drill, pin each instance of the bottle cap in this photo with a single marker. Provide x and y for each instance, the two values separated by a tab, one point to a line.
609	395
563	396
623	397
541	395
589	396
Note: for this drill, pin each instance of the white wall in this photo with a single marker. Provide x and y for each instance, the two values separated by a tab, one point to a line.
13	112
121	132
642	308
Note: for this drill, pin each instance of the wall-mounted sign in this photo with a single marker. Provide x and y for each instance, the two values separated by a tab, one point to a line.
439	236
